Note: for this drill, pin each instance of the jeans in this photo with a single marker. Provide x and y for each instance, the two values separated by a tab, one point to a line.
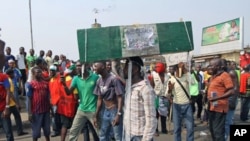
17	116
106	125
6	122
27	98
180	112
56	121
40	121
217	125
79	123
245	106
229	121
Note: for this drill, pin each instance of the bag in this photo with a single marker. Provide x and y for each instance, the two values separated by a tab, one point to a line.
163	106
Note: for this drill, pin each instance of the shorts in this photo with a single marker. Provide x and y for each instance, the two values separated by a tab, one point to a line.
66	121
40	121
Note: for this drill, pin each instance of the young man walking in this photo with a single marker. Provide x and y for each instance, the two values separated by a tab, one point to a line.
109	90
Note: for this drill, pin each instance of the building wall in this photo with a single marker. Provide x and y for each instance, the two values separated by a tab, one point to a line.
234	56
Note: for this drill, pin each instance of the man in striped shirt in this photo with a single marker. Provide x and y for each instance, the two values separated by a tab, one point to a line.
139	115
39	105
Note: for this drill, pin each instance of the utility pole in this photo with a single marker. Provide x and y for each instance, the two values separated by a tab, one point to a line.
31	29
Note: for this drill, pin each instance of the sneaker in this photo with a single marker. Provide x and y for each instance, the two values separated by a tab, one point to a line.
54	134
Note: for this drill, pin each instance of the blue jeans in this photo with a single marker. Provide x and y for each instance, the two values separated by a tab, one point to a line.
40	121
180	112
229	121
106	125
27	98
7	127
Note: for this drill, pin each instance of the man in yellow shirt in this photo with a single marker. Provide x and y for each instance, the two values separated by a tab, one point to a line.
15	108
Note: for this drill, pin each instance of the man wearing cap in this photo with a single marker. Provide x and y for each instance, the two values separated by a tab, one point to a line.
8	57
17	80
14	108
139	111
5	97
54	88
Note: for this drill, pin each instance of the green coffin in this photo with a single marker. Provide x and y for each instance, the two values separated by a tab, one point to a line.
134	40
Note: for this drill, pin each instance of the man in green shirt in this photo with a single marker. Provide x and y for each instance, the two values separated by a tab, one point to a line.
31	58
85	83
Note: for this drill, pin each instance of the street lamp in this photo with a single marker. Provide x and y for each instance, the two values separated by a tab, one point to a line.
31	30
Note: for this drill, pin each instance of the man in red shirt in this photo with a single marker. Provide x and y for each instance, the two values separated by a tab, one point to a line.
5	97
39	105
219	90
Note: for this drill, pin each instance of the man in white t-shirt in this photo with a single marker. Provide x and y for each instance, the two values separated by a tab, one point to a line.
21	64
48	58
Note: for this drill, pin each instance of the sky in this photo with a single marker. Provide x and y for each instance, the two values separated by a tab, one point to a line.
55	22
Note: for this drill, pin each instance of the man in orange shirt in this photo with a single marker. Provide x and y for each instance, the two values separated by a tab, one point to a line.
67	102
219	90
54	88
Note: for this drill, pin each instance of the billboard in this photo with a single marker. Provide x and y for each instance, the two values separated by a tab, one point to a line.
175	58
223	32
222	38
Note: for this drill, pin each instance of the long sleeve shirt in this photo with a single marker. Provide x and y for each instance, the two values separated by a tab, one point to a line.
140	114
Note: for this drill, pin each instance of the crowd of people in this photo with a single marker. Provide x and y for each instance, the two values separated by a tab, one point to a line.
82	97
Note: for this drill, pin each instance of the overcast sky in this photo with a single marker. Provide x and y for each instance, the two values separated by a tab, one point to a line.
55	22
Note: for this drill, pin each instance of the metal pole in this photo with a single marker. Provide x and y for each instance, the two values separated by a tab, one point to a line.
31	30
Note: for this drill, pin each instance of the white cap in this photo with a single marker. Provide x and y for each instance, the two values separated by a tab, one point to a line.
11	61
52	67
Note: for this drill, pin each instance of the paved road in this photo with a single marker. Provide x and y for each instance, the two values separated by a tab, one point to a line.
163	137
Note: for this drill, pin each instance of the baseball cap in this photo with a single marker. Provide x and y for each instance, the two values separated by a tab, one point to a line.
11	61
52	67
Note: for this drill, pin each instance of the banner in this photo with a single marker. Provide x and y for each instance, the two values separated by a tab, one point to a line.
175	58
223	32
139	40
